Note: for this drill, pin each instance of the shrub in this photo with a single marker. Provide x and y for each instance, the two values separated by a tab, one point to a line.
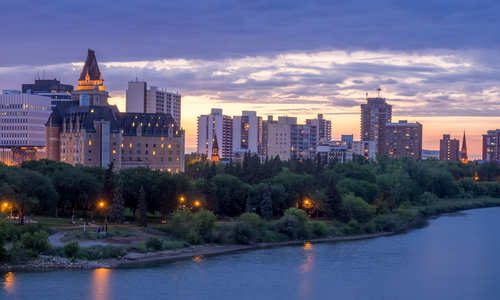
270	236
254	220
180	224
71	249
319	229
388	222
243	233
223	234
203	224
37	241
353	227
173	244
101	252
154	244
356	208
427	198
298	213
292	227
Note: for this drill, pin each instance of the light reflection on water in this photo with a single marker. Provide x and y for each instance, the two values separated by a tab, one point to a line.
100	289
9	282
306	286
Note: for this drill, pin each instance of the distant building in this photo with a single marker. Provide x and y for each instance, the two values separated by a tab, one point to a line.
303	141
11	92
51	88
323	128
463	154
375	114
22	127
347	139
90	132
153	100
333	153
247	133
366	149
448	148
219	127
430	154
491	148
403	139
279	137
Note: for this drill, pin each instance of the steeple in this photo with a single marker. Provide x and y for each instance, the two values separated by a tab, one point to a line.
215	149
463	154
91	69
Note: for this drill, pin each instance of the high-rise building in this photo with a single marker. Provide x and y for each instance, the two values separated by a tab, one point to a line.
265	136
463	153
22	127
403	139
51	88
448	148
303	140
215	126
323	128
246	132
375	114
90	132
153	100
491	148
279	137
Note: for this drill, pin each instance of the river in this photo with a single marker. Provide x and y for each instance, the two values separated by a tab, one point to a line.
455	257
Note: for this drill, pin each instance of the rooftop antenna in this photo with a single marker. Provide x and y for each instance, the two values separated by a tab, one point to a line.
378	90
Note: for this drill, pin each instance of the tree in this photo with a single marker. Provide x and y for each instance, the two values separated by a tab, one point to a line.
108	185
142	207
356	208
117	206
266	205
334	201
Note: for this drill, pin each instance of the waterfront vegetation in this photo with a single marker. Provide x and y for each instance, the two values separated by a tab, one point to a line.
237	203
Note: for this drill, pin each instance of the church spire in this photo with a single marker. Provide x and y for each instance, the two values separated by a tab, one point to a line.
90	69
215	149
463	154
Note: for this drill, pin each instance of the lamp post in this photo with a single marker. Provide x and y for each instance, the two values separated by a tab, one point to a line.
182	202
101	205
196	205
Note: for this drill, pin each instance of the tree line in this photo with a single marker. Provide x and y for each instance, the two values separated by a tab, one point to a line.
342	191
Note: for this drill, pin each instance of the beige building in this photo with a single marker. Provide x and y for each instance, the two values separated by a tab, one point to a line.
403	139
90	132
279	137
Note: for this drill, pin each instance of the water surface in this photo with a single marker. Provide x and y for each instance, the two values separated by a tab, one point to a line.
455	257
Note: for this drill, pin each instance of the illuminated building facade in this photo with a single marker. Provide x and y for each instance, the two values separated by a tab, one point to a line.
247	132
463	153
215	127
375	114
323	128
403	139
448	148
89	132
491	149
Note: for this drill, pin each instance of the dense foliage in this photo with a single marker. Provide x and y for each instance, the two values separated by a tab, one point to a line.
356	190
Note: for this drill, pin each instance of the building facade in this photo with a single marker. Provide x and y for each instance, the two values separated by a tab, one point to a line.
403	139
247	132
491	149
448	148
323	128
90	132
140	99
51	88
375	114
218	126
303	141
333	153
366	149
279	137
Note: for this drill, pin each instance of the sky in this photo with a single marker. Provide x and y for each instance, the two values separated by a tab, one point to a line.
437	62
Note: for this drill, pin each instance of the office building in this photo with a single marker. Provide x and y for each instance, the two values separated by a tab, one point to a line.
52	88
375	114
403	139
491	149
90	132
303	141
22	127
215	127
279	134
153	100
334	152
323	128
448	148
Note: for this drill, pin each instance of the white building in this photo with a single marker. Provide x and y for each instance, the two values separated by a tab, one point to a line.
366	149
215	125
153	100
323	128
22	120
330	153
246	132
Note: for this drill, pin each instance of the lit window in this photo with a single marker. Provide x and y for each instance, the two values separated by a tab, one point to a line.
130	145
90	142
169	146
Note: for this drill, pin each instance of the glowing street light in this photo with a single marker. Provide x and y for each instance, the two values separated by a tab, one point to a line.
197	203
101	204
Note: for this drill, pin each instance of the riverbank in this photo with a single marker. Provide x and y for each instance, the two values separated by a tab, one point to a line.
47	263
418	217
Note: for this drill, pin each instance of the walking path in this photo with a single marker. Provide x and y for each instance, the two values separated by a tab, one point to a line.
55	240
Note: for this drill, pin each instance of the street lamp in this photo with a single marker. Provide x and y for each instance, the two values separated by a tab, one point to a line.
197	204
102	206
182	202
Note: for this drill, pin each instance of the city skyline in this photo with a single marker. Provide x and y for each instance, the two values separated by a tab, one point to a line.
445	77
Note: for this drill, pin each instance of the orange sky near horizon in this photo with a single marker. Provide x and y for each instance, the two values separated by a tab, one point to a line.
433	127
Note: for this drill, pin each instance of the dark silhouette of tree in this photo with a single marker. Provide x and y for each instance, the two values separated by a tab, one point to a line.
117	206
142	208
